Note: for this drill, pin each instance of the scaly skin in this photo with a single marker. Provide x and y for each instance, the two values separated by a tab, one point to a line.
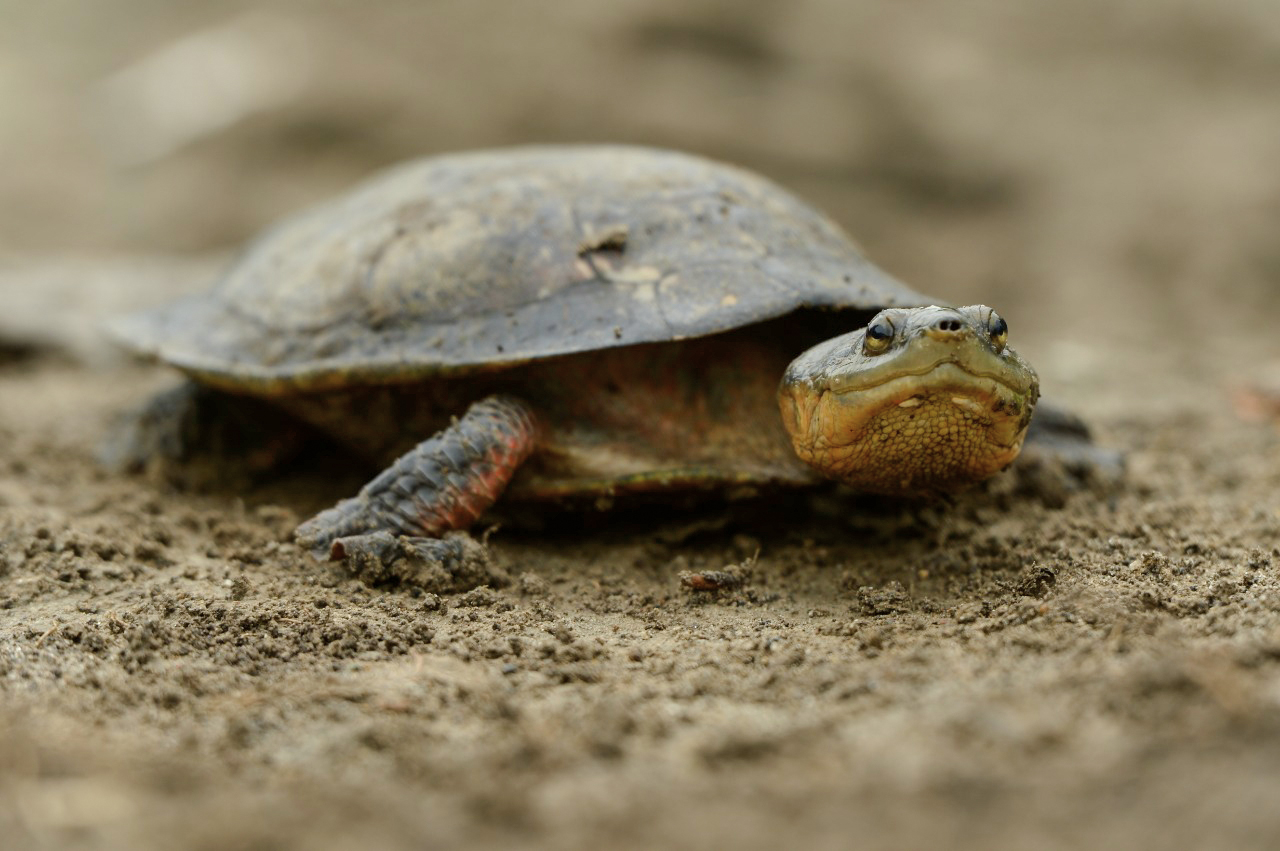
443	483
936	404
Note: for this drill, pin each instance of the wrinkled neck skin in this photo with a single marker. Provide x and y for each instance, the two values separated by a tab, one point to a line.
935	404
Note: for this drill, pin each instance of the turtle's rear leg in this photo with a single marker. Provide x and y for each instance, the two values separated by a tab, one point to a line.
440	486
203	436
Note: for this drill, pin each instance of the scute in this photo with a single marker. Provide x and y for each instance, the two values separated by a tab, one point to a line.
480	260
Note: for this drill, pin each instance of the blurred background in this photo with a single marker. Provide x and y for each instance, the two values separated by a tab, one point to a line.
1106	174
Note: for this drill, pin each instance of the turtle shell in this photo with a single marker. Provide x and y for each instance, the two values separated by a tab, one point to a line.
476	261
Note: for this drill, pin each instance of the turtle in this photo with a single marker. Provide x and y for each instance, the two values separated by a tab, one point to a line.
558	323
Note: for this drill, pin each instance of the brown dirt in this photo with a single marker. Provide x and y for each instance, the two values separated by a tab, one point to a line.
1005	671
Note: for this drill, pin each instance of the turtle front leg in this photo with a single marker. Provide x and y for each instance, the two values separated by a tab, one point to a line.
1060	457
1056	433
444	484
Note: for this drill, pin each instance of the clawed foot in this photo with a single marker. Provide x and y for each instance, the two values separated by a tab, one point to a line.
456	562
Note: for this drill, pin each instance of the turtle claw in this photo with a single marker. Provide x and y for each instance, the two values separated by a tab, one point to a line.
380	546
456	562
386	549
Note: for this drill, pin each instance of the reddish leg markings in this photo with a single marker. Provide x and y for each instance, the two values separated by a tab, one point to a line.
444	483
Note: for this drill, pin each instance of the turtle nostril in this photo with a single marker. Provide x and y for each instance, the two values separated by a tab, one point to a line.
948	325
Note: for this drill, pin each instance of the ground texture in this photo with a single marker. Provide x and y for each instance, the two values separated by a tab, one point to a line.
1025	667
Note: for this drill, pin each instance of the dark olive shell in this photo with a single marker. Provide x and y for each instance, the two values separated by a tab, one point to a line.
482	260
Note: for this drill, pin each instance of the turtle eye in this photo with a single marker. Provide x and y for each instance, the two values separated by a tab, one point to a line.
879	335
999	331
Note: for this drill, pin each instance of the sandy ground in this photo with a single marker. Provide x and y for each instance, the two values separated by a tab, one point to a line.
1009	670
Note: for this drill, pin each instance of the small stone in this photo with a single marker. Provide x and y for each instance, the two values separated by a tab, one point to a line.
239	588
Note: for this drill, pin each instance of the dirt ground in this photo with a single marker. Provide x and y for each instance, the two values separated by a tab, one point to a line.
1014	669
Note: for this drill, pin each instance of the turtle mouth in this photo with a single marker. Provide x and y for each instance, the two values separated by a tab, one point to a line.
949	370
949	383
925	431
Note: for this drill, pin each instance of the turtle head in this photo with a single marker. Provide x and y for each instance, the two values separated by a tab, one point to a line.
922	401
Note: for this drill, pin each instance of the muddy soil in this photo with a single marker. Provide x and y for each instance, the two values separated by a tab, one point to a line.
1025	666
